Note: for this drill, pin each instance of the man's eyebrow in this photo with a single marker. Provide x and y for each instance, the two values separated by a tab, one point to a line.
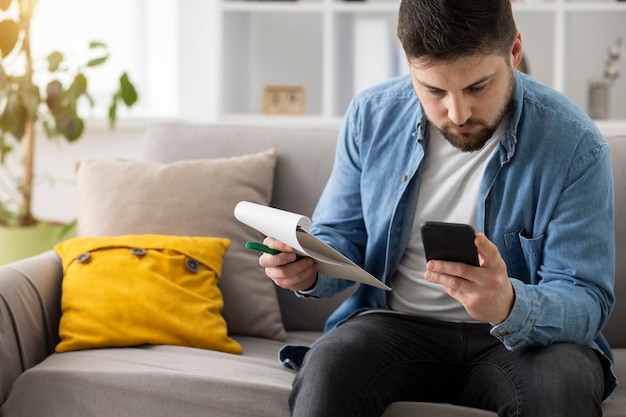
474	84
481	81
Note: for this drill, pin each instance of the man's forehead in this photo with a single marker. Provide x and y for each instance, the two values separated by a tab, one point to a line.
461	73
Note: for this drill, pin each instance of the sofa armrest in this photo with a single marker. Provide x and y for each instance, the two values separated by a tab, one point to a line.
30	309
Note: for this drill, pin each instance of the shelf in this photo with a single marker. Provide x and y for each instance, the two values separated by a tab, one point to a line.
595	7
534	7
261	52
612	127
364	7
314	43
570	6
272	7
390	7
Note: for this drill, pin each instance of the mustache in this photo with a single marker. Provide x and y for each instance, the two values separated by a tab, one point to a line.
468	123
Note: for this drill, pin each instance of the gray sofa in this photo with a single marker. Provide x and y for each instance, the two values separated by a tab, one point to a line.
181	381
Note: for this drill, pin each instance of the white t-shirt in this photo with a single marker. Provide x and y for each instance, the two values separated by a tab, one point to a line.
449	193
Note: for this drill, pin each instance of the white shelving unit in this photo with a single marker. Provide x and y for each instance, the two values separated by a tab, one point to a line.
313	43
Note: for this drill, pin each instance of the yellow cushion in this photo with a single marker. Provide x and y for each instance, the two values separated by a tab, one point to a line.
142	289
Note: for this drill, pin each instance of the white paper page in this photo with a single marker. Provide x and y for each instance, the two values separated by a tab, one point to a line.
333	264
279	224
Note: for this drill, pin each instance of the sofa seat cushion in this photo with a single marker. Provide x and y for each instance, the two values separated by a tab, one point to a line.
174	381
158	381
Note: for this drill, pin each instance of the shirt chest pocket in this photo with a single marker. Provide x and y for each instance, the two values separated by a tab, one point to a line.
524	255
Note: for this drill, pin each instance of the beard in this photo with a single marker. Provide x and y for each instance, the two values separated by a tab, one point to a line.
483	131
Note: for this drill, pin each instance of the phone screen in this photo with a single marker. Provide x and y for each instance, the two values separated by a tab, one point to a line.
449	242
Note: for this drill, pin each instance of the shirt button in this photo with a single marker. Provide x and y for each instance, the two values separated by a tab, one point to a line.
192	265
138	251
404	177
83	257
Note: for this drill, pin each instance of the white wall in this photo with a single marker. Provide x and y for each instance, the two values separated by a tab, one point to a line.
54	194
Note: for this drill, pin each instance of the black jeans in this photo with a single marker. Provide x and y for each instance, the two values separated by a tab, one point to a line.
375	359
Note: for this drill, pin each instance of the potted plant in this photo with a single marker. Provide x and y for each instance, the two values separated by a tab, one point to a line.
27	108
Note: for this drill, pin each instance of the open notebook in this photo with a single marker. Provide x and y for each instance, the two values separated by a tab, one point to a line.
293	229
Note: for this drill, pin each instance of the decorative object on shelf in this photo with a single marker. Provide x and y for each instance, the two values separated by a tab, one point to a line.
598	99
284	99
24	105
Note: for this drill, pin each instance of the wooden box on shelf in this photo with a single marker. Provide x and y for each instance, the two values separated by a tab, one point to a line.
284	99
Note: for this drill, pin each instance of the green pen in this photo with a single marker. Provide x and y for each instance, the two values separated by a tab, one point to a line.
261	248
264	248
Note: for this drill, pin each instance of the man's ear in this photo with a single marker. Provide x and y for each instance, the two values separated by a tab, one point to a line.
516	51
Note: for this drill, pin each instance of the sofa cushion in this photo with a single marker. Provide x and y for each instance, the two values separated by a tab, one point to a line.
142	289
158	381
190	198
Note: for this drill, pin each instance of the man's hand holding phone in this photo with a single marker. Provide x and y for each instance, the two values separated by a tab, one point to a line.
483	287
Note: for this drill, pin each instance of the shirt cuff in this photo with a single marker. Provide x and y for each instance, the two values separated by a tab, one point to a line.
513	331
312	292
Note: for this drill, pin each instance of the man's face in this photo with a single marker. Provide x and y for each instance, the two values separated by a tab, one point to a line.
465	99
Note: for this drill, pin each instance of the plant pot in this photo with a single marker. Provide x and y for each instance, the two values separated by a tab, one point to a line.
21	242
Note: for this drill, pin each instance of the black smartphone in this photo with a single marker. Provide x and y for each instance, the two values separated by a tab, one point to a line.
449	242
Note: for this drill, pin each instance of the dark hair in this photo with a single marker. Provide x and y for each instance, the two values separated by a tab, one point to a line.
444	30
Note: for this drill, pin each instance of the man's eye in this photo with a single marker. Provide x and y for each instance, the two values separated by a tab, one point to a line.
478	89
435	91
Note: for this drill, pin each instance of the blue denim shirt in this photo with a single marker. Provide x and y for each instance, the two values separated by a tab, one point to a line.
546	202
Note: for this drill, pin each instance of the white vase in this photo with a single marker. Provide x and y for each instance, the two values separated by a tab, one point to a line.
598	100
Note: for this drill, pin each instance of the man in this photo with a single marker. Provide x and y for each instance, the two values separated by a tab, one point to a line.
467	139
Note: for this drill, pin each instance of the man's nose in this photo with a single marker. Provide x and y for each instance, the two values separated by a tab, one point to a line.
459	110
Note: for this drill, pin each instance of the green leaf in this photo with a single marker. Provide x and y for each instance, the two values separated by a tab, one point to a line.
76	89
127	90
9	33
5	149
54	61
69	125
6	122
90	99
97	61
50	131
13	119
113	113
30	99
96	44
19	128
54	95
